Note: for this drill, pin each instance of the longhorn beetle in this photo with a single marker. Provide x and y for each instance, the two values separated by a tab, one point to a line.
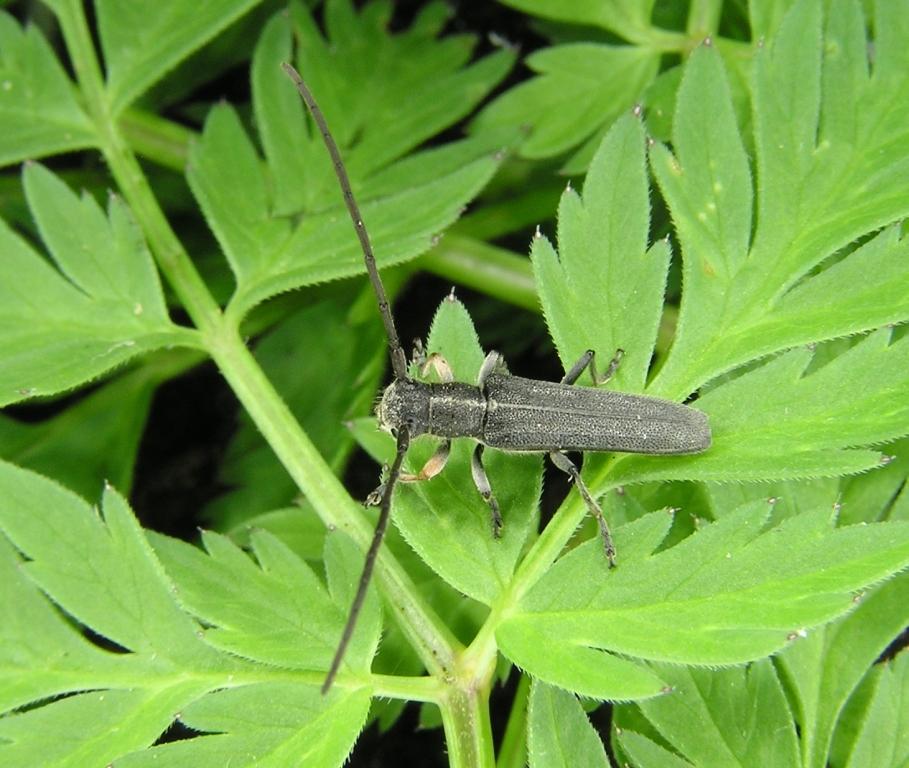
501	411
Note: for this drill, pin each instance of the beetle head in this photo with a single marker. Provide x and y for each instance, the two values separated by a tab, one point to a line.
404	401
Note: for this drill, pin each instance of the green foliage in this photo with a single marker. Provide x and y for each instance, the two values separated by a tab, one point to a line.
103	573
745	622
558	732
60	329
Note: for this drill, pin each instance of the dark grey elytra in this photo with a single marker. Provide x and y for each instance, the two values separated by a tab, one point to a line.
501	411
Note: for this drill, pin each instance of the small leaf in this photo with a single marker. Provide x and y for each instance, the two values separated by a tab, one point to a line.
65	445
559	733
144	39
882	740
733	716
276	723
445	519
57	333
647	753
580	90
615	15
38	107
604	291
277	612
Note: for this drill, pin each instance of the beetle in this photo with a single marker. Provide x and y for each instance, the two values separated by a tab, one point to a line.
501	411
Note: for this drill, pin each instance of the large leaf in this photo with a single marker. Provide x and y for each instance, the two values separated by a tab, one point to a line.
382	95
742	717
728	594
829	137
81	570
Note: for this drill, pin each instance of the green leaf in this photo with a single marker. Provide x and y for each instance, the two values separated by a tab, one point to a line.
604	290
581	89
725	595
273	724
60	330
290	228
144	39
38	107
445	519
277	612
65	446
559	733
648	754
829	137
883	739
728	717
615	15
392	92
824	670
79	570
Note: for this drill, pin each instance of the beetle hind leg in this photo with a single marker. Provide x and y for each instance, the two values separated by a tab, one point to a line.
568	466
481	480
588	360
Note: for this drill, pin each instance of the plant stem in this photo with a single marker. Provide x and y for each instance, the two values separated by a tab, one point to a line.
430	637
468	731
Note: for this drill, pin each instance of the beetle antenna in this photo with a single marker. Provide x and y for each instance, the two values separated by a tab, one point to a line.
384	509
398	360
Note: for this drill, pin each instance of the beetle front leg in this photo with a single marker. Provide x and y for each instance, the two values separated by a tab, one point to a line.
481	480
568	466
432	362
587	360
433	466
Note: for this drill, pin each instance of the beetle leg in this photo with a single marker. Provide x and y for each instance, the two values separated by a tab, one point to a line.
587	360
491	363
481	480
567	465
439	364
418	356
434	465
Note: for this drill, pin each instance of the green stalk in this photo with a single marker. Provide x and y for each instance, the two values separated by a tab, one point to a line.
468	731
703	18
429	635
